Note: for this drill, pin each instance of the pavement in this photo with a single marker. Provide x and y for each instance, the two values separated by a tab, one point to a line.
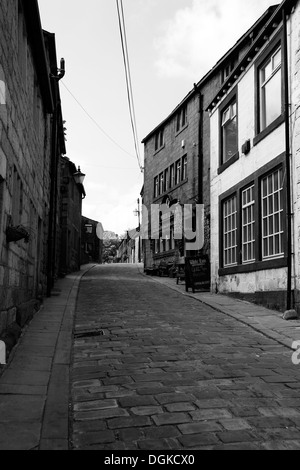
35	392
34	385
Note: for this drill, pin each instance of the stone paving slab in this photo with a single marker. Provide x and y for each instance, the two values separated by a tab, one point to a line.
34	385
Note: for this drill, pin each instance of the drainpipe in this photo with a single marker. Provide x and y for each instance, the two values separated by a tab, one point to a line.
289	301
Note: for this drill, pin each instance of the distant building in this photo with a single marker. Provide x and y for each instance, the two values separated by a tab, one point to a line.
91	241
28	109
72	194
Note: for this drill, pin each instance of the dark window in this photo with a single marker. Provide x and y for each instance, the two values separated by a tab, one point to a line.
253	224
229	131
178	172
269	86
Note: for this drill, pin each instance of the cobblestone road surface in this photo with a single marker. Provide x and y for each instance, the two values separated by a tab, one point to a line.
167	372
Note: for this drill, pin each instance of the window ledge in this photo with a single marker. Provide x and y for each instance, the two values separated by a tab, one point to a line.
268	129
229	162
170	190
256	266
181	129
159	149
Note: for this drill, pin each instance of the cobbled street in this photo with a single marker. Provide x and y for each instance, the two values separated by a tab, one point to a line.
154	369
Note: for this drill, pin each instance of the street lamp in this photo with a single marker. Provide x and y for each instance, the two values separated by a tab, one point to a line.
78	176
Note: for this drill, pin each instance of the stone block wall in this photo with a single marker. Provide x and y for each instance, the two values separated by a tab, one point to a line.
25	168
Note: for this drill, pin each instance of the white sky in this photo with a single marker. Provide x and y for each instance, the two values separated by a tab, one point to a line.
171	44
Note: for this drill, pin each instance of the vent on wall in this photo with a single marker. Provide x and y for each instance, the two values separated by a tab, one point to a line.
246	147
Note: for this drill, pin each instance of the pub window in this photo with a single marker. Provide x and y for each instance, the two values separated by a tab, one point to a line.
159	140
230	231
178	172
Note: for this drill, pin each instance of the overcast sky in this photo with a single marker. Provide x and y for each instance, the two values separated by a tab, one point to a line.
171	44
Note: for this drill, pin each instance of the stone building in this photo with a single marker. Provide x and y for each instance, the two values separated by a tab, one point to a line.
255	142
91	241
71	195
25	153
177	158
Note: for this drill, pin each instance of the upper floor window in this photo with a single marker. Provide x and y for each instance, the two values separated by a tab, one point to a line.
229	132
270	96
181	119
156	186
178	172
159	140
184	168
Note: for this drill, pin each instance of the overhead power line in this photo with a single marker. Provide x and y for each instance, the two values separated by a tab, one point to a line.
94	121
123	37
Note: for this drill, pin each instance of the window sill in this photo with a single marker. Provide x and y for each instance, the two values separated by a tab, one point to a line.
229	162
268	130
256	266
170	190
159	149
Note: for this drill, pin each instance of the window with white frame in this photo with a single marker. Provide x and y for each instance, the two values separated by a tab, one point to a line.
230	231
248	225
229	131
270	95
272	215
161	183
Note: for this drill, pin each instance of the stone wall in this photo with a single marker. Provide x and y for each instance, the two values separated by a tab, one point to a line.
25	157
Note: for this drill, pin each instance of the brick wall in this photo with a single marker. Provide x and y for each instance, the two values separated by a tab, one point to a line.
25	149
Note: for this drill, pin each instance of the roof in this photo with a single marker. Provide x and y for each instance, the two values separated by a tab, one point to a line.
256	27
257	44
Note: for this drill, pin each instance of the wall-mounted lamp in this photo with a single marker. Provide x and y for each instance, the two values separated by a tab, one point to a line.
79	176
